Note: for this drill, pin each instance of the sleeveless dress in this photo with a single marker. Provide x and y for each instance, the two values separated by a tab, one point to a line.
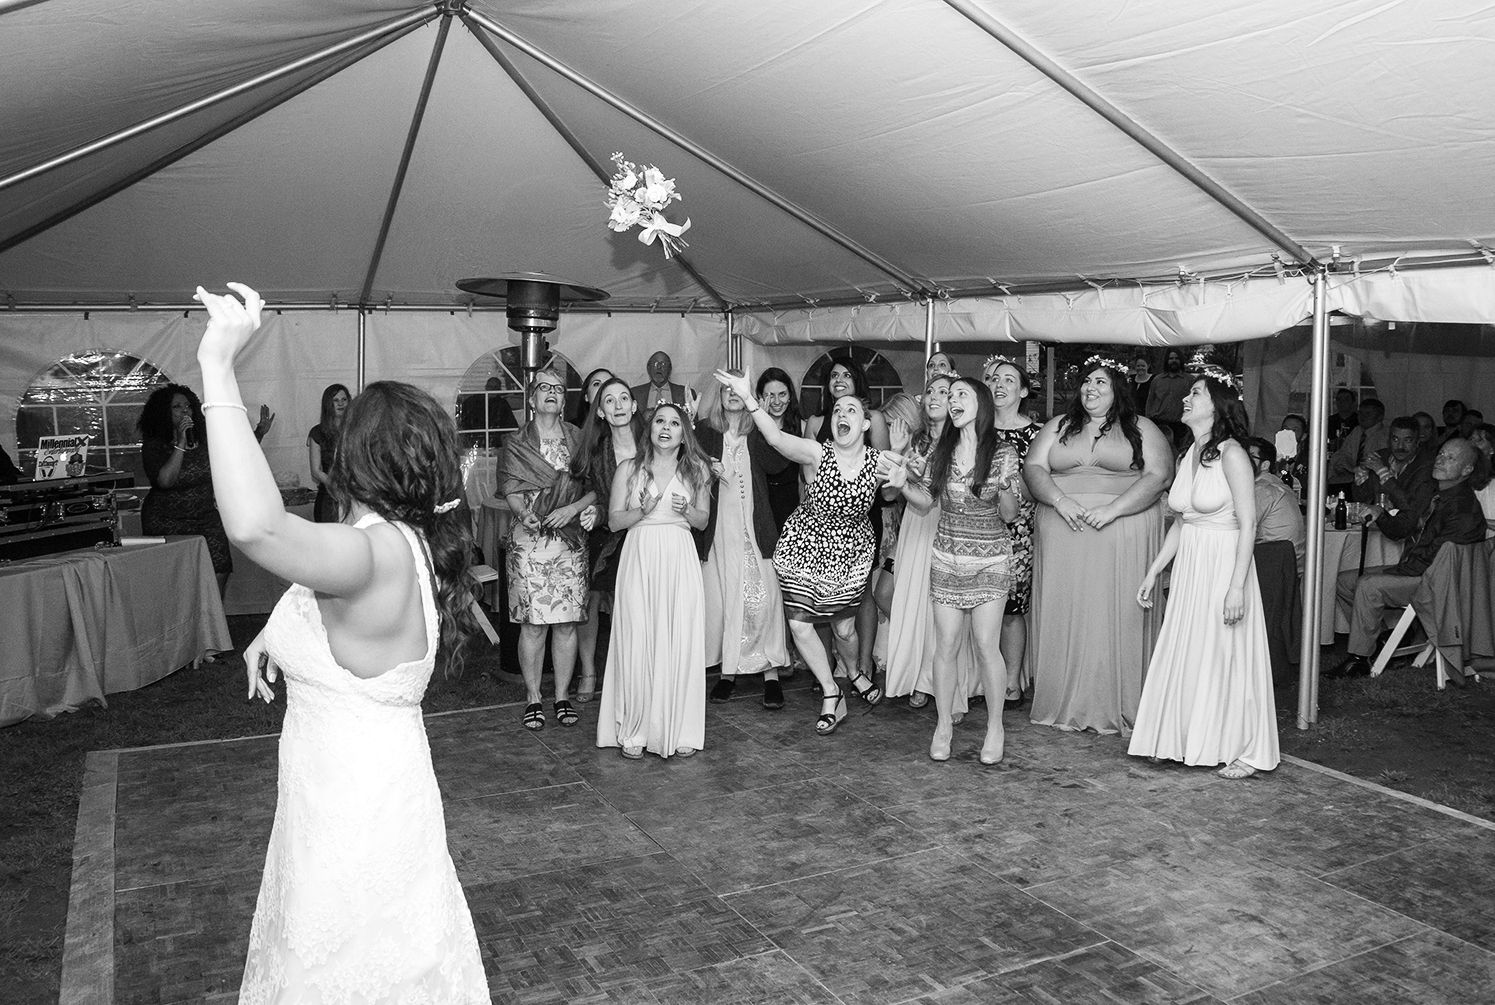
744	608
970	559
1019	597
1091	640
825	554
188	507
911	613
1208	697
325	510
654	686
359	902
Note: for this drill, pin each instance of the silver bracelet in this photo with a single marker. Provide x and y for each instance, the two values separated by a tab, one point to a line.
224	404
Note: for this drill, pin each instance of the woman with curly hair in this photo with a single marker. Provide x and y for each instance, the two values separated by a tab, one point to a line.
174	451
1098	472
359	842
1208	697
654	690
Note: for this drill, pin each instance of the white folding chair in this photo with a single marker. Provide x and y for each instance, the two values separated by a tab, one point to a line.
1425	651
484	574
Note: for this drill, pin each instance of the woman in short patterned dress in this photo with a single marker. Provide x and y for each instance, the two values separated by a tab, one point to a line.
824	557
978	481
547	561
1010	386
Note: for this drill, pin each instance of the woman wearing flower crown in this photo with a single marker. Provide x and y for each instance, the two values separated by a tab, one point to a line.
654	689
1208	697
359	844
1010	386
1098	472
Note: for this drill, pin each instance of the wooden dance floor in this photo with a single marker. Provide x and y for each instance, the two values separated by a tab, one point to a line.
779	866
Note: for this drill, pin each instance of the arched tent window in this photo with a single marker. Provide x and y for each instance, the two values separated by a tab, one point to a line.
490	396
882	379
99	392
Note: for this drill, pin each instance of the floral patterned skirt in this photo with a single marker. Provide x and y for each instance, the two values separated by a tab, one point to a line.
547	577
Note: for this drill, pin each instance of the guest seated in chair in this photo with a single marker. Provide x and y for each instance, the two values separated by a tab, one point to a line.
1451	514
1483	437
1399	478
1368	436
1281	541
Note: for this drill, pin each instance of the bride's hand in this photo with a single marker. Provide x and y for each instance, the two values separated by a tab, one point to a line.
256	656
230	323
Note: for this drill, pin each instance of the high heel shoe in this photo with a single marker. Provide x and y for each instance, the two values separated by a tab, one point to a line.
586	689
991	756
871	694
828	721
939	747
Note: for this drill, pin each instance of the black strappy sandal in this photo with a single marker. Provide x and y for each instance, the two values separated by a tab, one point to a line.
565	714
534	716
828	722
871	694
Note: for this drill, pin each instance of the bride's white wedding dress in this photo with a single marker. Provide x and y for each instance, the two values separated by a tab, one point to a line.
360	901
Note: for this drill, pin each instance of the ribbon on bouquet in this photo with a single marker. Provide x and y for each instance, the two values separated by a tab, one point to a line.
667	232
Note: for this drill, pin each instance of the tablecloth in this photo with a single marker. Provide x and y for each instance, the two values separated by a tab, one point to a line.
83	624
1341	552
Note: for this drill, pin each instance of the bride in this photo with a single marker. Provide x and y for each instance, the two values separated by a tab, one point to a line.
359	901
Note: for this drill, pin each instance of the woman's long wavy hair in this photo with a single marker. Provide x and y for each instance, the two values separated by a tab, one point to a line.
1123	413
584	407
987	442
693	466
1231	422
595	462
399	457
924	437
331	427
859	389
792	421
155	418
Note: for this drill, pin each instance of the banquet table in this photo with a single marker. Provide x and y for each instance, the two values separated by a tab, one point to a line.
1342	552
83	624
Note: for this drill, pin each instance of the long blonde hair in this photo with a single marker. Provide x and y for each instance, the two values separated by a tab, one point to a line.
691	464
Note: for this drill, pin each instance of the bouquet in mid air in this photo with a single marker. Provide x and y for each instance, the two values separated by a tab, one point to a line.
638	197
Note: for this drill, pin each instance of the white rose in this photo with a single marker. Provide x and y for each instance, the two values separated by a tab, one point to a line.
625	214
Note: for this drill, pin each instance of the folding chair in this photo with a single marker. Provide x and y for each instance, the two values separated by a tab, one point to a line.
484	574
1425	651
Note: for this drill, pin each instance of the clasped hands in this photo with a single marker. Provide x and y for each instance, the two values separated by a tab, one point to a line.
1078	517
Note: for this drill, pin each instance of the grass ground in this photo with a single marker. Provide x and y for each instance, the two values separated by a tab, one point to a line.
1396	730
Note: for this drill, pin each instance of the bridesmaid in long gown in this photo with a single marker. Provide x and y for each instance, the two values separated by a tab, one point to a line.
654	687
1098	472
358	848
1208	697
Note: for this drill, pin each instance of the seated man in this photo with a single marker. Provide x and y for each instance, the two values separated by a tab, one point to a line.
1451	515
1368	436
1399	478
1281	541
1453	414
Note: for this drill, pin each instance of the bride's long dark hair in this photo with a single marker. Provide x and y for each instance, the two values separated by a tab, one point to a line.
398	456
1230	421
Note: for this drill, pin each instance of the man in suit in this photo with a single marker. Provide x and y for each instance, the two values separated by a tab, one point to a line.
1401	473
1452	515
1368	436
660	389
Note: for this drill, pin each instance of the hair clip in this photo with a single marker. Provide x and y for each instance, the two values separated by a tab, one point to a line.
448	506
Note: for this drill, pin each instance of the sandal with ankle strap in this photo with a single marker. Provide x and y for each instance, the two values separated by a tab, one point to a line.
534	716
871	694
1236	769
828	721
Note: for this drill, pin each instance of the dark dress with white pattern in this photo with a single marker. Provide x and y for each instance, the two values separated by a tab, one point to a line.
1021	563
825	554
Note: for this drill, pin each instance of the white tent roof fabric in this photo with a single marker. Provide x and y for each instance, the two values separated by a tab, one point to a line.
828	150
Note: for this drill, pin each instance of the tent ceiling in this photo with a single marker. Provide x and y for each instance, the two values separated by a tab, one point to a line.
896	145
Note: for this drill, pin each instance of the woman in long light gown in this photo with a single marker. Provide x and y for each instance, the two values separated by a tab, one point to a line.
359	901
977	478
611	435
654	687
1098	473
744	608
1208	697
911	614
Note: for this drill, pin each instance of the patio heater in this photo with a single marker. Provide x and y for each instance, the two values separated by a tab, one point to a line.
533	302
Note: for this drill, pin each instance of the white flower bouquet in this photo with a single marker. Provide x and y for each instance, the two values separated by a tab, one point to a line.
638	197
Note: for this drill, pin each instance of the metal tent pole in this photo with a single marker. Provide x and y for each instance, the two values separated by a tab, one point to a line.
361	354
734	343
1313	562
928	332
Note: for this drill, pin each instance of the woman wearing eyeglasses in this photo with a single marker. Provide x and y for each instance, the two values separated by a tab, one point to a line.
1098	472
547	556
